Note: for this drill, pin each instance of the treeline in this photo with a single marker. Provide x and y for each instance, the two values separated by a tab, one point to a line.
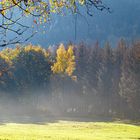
110	78
76	80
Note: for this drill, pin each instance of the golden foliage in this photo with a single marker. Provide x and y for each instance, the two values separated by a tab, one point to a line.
36	49
11	54
5	64
65	61
41	10
65	58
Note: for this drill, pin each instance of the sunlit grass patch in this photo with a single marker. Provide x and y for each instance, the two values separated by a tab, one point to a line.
68	130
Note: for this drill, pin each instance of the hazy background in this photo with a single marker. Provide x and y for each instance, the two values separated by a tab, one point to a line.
122	22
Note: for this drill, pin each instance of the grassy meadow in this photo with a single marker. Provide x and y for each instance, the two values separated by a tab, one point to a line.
69	130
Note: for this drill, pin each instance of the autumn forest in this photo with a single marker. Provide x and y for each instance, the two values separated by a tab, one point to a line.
71	80
69	70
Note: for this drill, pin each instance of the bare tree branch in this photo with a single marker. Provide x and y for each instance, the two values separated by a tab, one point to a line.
13	13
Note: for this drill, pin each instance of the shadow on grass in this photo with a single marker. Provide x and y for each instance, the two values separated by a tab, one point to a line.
40	120
44	119
127	121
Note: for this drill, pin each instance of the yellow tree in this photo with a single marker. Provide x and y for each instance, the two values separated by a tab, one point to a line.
64	66
5	71
70	61
65	61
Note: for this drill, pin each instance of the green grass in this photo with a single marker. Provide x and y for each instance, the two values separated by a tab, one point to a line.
68	130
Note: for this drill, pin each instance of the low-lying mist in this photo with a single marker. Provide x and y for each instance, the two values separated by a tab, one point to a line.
41	106
105	82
